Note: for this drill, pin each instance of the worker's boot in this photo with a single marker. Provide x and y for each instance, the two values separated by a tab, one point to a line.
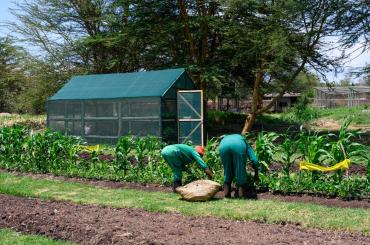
176	184
227	190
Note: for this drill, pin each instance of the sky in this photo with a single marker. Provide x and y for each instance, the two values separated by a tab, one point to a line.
356	59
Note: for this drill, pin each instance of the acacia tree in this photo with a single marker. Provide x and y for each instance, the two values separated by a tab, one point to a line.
104	36
12	78
280	39
353	22
55	27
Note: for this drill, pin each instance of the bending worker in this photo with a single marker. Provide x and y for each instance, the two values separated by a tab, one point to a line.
234	151
178	156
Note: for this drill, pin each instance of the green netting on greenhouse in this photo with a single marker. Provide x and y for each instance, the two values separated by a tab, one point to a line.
119	85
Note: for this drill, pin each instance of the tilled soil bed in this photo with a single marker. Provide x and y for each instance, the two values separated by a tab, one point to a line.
331	202
102	225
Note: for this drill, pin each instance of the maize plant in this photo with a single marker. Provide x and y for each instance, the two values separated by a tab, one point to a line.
265	148
12	141
289	154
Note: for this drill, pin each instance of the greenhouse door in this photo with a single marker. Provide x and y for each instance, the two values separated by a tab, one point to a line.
190	116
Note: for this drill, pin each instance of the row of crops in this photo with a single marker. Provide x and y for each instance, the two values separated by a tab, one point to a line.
138	159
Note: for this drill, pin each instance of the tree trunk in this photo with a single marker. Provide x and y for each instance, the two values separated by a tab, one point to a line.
251	118
189	38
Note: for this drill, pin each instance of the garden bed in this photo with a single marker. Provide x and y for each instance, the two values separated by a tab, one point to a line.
90	224
330	202
138	159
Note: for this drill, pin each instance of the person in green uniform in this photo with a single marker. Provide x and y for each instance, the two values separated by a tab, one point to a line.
178	156
234	151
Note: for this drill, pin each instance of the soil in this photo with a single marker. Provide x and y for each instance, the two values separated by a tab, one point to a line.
331	124
103	225
330	202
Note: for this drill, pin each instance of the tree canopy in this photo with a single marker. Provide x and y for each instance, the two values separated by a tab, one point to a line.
259	45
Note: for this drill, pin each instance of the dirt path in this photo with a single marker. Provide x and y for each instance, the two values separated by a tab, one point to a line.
331	202
101	225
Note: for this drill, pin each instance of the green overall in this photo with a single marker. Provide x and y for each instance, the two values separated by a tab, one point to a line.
233	152
178	156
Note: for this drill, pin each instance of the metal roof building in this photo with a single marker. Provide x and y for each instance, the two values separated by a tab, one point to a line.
328	97
103	107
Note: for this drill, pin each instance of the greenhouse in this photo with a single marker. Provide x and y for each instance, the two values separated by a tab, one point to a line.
101	108
329	97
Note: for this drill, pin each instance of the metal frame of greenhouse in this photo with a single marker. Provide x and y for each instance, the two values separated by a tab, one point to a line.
330	97
101	108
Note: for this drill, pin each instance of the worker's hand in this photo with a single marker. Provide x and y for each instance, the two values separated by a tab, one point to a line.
256	177
209	173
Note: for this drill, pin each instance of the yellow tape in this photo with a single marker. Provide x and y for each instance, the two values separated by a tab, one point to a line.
303	165
89	148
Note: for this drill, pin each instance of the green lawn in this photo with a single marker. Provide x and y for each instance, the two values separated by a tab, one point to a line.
10	237
360	115
308	215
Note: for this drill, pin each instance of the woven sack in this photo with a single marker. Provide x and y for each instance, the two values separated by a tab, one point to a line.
199	190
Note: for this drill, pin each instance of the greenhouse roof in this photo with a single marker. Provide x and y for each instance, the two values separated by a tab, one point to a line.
344	90
119	85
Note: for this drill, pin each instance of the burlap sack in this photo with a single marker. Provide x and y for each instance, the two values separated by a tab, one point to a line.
199	190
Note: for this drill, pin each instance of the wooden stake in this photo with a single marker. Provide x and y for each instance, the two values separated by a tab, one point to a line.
299	180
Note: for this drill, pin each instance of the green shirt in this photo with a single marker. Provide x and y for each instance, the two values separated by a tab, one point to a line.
189	154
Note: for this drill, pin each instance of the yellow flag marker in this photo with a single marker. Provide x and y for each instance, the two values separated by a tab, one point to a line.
343	165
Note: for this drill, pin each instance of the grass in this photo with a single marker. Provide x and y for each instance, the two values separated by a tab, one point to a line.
10	237
308	215
360	117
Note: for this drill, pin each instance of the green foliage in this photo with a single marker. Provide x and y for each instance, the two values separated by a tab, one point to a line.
343	147
265	148
300	112
310	145
11	237
357	114
44	152
12	140
212	158
123	149
328	185
138	159
215	118
48	151
12	78
289	154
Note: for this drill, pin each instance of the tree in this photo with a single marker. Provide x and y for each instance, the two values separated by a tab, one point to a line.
353	22
59	28
280	39
345	82
102	36
12	77
305	82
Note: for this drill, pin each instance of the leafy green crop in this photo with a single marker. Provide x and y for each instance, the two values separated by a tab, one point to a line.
138	159
289	154
265	148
